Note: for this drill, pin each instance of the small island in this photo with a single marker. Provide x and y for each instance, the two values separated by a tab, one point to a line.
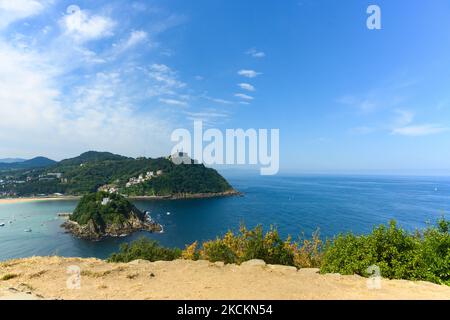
102	214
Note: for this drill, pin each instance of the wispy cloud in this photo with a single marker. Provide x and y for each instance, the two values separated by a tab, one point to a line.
403	125
13	10
246	86
248	73
366	104
420	130
80	96
255	53
243	96
216	100
136	37
173	102
209	117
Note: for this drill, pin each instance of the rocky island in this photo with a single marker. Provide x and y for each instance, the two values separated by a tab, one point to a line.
102	214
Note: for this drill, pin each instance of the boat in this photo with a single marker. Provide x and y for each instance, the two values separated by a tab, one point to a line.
168	213
64	214
28	230
2	224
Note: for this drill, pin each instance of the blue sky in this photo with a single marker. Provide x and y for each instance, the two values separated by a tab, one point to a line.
121	75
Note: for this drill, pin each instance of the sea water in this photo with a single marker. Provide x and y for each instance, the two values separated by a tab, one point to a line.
294	204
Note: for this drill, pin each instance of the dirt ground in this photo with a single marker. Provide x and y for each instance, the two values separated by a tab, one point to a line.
57	278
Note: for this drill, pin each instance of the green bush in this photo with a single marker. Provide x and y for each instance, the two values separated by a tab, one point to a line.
144	249
398	254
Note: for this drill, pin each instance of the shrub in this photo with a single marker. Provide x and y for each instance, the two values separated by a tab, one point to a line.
398	254
190	252
144	249
308	254
247	245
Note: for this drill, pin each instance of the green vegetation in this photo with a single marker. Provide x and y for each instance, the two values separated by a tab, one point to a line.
399	254
144	249
92	170
90	207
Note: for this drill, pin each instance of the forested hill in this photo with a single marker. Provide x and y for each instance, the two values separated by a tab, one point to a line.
93	171
38	162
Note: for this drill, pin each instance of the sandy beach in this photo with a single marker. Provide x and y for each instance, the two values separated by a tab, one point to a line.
36	199
47	278
173	197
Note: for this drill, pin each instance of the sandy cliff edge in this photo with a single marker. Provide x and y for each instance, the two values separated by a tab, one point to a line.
46	278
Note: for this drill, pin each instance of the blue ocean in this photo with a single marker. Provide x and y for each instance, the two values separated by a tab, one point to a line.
295	204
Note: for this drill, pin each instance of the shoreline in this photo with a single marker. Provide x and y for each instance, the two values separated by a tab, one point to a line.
37	199
189	196
133	198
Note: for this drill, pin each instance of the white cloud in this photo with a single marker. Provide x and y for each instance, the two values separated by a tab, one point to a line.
135	38
366	104
404	117
209	117
217	100
243	96
420	130
82	26
255	53
248	73
13	10
99	114
164	74
246	86
173	102
403	125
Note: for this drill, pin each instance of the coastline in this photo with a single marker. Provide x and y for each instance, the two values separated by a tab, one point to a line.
171	197
184	196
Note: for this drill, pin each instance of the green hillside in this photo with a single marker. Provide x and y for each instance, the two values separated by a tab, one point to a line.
92	171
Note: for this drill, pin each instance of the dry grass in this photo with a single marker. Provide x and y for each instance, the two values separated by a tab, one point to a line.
8	276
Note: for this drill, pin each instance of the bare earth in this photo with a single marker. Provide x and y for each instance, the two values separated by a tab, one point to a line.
46	278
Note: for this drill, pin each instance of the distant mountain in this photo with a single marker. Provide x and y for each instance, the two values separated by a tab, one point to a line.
12	160
38	162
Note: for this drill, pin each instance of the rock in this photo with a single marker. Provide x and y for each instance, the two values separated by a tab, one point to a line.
309	271
253	263
138	261
282	269
93	232
204	263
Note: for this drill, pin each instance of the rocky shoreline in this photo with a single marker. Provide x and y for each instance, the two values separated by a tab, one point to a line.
94	232
181	196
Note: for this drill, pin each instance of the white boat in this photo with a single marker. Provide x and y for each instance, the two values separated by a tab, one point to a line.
2	224
168	213
28	230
